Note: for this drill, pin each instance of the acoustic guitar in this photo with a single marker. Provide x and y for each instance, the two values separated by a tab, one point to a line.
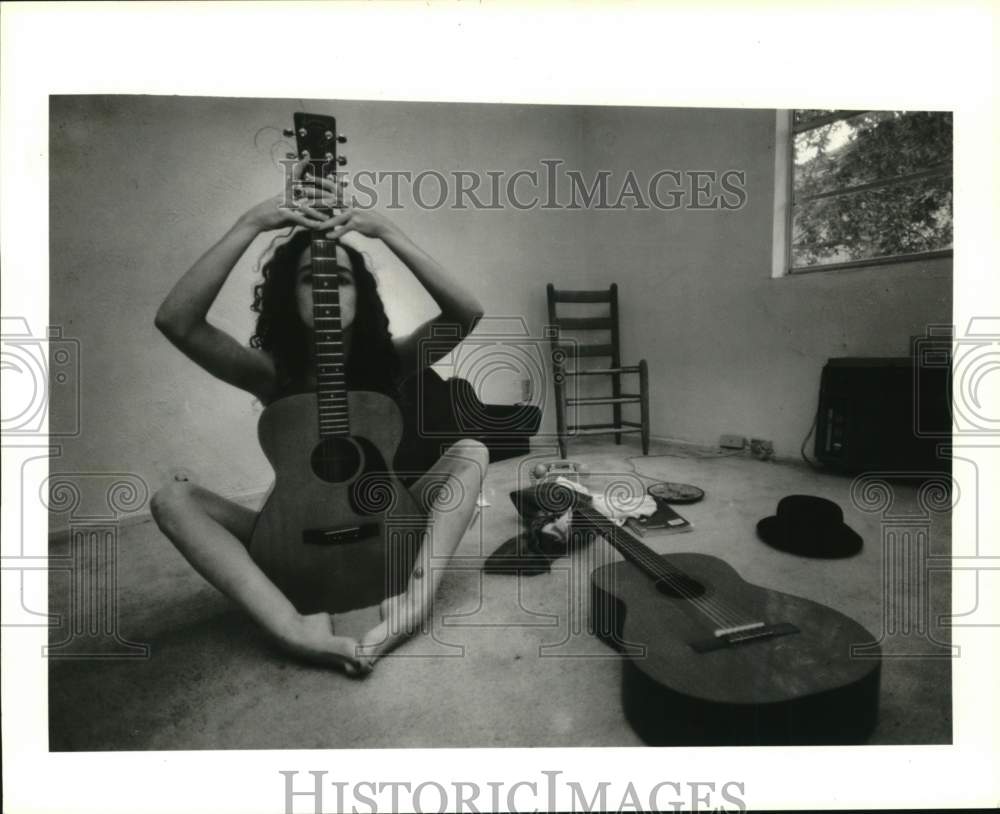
712	660
338	531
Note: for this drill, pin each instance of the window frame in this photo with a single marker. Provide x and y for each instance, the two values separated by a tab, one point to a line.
784	211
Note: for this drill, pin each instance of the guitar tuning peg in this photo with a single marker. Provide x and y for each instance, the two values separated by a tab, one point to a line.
328	135
342	160
288	132
302	132
290	155
341	139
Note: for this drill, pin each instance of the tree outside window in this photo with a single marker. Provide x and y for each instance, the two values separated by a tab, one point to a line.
869	187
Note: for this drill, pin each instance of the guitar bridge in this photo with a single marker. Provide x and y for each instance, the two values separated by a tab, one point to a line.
743	634
346	534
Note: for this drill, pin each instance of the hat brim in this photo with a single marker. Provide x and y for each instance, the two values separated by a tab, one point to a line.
839	542
517	557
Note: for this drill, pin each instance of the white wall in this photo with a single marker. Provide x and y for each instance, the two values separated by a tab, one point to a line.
141	186
731	349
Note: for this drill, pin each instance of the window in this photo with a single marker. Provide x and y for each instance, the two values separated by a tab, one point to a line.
866	188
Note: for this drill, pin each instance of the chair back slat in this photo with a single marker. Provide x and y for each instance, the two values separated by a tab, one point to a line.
582	296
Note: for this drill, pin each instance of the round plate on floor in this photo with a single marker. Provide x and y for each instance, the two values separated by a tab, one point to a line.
676	492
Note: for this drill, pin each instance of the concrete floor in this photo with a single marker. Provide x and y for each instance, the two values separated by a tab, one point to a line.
509	659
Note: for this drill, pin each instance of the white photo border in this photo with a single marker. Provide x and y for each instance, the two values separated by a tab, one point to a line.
759	55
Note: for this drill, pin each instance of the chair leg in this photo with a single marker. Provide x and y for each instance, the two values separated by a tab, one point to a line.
644	404
557	382
616	409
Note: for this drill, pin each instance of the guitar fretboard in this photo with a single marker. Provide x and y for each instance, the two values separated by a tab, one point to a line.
632	549
328	338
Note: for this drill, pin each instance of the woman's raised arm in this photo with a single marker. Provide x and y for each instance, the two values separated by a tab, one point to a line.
182	316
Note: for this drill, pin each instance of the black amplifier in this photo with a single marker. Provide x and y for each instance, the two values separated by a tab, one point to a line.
884	414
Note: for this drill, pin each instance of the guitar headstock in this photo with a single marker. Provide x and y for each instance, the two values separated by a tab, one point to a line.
316	141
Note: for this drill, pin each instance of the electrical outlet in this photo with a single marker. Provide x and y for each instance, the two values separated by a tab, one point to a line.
762	449
732	441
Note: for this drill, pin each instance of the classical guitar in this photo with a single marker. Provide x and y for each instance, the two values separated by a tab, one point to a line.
713	660
338	530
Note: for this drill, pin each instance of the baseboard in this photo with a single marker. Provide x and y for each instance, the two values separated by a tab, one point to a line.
693	447
540	441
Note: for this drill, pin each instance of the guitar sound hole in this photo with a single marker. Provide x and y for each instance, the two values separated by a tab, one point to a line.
680	587
336	460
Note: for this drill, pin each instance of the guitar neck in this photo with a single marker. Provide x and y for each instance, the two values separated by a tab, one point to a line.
328	340
634	550
316	140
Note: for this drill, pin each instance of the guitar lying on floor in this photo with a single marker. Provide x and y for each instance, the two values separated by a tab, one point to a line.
715	661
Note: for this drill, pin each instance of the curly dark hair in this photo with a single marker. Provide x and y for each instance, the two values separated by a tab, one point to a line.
373	363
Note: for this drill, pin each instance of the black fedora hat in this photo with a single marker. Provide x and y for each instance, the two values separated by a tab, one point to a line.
810	527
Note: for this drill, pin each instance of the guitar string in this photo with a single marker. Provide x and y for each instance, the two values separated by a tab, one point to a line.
720	611
630	461
714	610
723	613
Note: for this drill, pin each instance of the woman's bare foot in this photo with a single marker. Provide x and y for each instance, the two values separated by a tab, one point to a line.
314	639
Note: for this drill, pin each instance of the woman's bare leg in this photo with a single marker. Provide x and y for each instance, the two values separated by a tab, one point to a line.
213	533
448	493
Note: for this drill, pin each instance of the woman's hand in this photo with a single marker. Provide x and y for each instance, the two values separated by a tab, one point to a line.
363	221
323	191
314	639
275	212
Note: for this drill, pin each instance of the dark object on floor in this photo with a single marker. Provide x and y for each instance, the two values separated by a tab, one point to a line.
575	349
675	492
810	527
548	534
437	413
664	518
886	414
546	498
532	551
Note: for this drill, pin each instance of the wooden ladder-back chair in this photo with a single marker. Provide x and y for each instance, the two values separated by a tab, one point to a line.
566	350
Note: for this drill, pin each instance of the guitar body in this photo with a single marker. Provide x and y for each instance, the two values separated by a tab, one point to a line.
338	530
799	685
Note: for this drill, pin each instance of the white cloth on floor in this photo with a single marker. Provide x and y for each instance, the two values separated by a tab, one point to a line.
616	506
